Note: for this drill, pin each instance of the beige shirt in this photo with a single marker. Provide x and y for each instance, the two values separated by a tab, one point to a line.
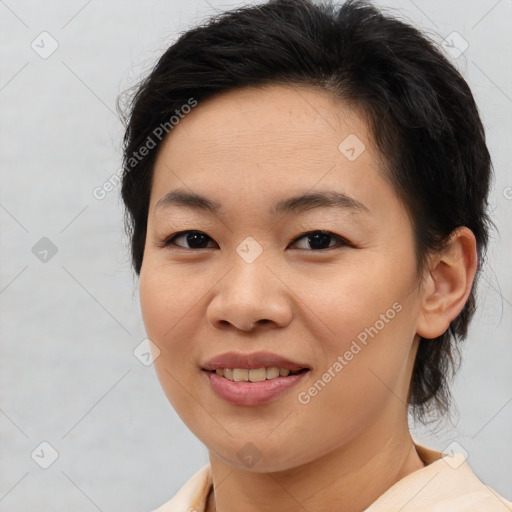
445	484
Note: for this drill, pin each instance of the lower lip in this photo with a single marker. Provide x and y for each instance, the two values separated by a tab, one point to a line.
252	393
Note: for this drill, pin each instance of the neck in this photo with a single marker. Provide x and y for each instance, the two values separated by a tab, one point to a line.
349	478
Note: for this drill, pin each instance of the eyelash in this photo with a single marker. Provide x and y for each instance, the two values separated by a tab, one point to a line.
169	241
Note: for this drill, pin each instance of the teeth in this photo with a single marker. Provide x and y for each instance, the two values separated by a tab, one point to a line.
240	375
272	373
255	375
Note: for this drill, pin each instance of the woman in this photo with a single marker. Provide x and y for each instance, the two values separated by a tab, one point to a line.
306	194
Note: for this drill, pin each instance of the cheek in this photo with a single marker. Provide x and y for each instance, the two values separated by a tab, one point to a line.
167	302
349	300
171	313
366	329
169	319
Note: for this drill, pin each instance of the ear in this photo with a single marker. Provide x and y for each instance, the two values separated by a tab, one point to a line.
447	284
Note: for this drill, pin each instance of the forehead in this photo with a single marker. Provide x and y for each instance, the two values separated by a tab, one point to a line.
260	118
262	142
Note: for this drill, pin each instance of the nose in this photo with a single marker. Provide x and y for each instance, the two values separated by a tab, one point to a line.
250	296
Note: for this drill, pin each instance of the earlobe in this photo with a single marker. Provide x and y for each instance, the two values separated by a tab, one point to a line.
448	283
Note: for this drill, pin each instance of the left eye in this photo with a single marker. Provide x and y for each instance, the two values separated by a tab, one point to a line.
319	239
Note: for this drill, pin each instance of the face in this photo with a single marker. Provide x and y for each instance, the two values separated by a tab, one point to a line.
331	287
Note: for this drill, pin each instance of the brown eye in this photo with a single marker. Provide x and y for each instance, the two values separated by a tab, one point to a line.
195	239
320	240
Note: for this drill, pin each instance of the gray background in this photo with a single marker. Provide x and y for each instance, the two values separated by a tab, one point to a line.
69	325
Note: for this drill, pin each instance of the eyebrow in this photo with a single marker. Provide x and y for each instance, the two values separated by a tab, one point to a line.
301	202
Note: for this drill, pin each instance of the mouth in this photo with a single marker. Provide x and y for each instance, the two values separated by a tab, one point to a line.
253	387
253	379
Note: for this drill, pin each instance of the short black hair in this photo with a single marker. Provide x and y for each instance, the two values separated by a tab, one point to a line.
420	111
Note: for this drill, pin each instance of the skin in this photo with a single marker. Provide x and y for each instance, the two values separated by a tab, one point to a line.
247	149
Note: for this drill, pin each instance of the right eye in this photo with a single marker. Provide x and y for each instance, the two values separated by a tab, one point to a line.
195	239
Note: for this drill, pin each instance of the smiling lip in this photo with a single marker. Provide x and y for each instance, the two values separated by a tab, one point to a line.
251	393
251	361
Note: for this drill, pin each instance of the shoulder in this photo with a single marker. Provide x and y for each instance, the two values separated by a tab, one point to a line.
445	484
192	495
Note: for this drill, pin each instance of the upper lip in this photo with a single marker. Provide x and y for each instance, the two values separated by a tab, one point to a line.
251	361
